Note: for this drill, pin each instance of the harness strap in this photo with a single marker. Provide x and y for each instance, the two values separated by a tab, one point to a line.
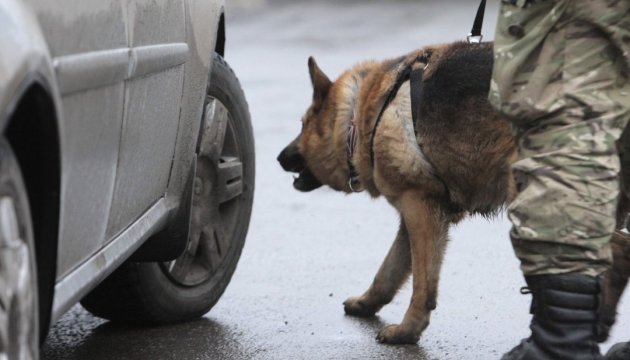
403	76
415	83
406	74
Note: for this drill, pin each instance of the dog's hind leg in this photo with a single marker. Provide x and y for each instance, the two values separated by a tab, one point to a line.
427	228
390	276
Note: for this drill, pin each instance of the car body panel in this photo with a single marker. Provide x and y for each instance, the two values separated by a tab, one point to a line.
89	39
89	158
82	26
152	109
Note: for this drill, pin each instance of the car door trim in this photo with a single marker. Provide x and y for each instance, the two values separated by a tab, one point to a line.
155	58
80	281
91	70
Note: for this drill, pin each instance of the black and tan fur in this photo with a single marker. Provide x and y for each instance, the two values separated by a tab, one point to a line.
457	164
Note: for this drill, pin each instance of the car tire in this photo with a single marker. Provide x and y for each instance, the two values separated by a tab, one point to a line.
19	320
165	292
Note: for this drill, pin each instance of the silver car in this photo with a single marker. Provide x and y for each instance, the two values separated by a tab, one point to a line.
126	163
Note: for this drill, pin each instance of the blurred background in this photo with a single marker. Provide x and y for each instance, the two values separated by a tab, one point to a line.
306	253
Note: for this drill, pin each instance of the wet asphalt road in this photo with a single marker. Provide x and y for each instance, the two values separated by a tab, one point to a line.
306	253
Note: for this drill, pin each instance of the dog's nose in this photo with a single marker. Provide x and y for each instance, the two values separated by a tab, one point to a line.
282	158
279	158
291	160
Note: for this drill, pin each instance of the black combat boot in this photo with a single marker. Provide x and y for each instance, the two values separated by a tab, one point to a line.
564	323
619	351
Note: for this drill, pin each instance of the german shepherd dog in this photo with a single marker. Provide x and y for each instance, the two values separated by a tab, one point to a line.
358	134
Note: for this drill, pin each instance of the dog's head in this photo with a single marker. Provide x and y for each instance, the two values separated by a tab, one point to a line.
310	154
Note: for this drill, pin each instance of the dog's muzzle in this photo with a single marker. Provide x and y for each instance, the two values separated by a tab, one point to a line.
292	161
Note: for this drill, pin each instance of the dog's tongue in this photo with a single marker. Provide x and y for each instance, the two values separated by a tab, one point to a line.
306	181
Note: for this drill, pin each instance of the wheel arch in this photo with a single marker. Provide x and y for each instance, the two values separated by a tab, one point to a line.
31	127
30	108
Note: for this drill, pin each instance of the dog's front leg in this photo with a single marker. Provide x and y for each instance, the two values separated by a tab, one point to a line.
427	233
390	276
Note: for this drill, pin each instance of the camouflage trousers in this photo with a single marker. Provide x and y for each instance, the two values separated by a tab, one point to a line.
561	77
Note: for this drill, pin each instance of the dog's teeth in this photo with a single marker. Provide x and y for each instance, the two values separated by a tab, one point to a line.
295	177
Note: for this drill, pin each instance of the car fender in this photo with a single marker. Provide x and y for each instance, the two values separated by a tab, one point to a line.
27	63
203	19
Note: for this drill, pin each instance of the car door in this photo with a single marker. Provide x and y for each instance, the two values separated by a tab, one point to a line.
88	41
153	97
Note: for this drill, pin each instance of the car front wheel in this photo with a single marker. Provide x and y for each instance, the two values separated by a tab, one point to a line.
223	188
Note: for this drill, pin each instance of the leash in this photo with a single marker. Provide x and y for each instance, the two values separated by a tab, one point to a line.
475	35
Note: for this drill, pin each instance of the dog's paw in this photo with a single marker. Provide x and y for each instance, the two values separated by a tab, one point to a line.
356	306
397	334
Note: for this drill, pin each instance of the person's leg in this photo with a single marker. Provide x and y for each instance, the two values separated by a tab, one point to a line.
616	279
568	167
560	79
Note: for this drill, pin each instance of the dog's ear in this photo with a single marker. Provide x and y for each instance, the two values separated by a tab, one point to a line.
321	82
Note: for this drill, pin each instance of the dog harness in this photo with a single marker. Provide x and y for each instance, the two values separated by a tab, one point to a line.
414	74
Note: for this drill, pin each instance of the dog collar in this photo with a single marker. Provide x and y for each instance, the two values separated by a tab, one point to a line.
351	141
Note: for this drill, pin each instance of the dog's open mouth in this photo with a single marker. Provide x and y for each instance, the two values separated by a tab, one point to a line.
305	181
292	161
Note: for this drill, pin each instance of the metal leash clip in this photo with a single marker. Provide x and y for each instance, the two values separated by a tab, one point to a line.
474	39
